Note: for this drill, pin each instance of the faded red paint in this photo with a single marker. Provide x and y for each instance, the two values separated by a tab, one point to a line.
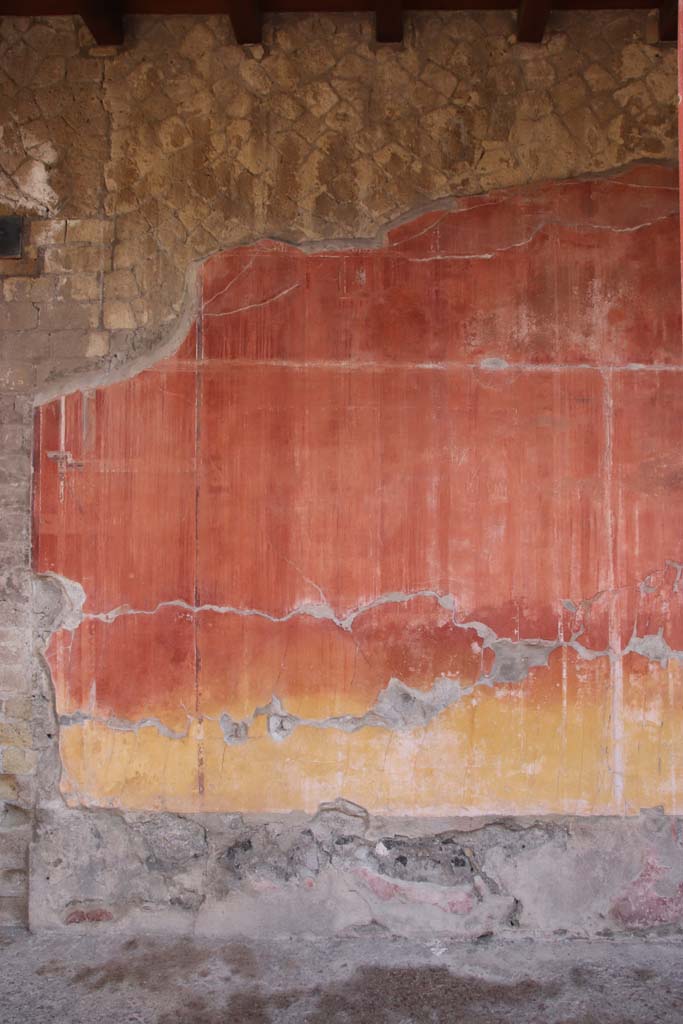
89	916
643	906
487	406
115	487
415	892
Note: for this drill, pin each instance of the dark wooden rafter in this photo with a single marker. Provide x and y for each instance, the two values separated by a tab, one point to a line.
668	21
104	18
389	21
247	20
105	21
532	18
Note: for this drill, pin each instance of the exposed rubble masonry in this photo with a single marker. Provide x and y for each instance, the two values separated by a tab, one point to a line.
398	524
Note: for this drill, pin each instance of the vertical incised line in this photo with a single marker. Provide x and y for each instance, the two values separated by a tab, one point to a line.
62	449
615	655
197	595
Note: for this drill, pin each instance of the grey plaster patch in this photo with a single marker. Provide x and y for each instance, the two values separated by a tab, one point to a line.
654	647
57	603
515	658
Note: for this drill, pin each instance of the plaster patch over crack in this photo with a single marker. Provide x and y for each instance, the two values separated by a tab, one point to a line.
57	602
316	610
233	731
514	658
654	647
122	724
398	706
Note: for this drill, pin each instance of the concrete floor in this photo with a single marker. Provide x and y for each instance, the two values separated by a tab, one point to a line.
95	976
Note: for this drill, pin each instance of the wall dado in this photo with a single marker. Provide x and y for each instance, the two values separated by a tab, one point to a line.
131	167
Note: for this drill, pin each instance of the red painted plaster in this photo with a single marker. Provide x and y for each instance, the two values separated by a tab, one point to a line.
484	410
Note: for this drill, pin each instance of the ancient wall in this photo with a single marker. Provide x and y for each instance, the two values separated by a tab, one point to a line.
132	167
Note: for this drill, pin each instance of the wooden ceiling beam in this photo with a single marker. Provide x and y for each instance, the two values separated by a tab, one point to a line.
48	8
532	18
105	22
247	20
668	21
389	21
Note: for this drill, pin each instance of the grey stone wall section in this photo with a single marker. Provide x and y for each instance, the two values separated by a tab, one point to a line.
18	756
132	166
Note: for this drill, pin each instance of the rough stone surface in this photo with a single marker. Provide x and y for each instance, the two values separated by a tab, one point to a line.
143	160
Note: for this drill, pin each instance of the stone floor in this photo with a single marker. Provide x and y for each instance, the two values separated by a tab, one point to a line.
94	976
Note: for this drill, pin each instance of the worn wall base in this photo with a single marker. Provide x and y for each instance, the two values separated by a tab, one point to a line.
341	869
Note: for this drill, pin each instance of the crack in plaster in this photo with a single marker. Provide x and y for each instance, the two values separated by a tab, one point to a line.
123	724
398	707
226	288
392	248
540	227
319	610
256	305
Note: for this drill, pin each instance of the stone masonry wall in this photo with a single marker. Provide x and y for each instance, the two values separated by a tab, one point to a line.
136	163
132	166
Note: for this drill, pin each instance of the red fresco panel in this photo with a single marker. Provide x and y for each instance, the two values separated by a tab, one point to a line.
319	670
132	668
647	493
541	276
341	486
115	487
485	406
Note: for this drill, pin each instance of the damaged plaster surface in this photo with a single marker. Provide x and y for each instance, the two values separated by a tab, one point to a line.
392	525
397	706
342	869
